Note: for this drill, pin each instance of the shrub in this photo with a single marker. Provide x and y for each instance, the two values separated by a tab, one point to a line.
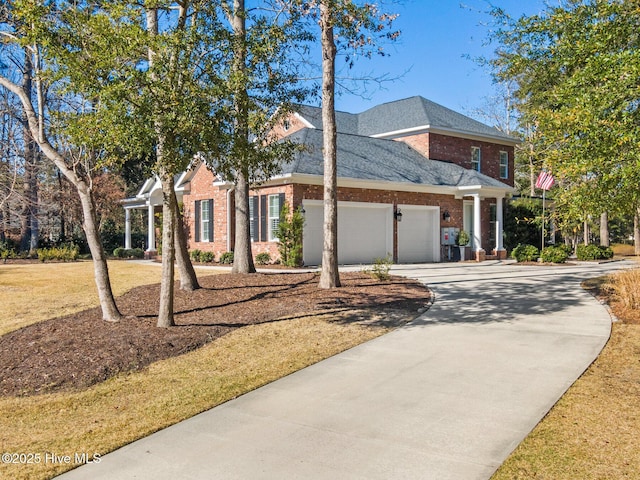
463	238
626	287
380	268
593	252
68	253
6	251
121	252
195	255
553	255
525	253
290	230
263	258
226	258
207	257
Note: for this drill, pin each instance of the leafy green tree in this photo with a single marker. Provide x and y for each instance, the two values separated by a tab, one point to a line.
262	81
25	26
351	27
576	67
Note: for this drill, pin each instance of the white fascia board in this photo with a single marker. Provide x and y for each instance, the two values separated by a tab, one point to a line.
449	132
304	121
374	184
457	192
488	192
403	133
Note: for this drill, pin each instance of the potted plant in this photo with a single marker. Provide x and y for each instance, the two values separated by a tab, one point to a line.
462	240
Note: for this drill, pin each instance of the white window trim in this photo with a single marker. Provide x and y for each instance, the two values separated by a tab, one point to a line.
473	150
204	224
505	165
270	218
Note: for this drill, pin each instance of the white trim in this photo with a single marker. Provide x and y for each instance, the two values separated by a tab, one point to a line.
304	121
452	132
309	179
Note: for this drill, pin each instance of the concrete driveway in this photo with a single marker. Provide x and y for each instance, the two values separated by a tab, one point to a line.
448	396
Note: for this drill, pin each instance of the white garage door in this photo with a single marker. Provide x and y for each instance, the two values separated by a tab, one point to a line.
365	232
418	239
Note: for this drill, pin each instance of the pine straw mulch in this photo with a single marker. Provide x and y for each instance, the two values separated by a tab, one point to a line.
80	350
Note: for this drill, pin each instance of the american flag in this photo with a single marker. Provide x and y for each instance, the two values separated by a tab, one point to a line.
545	181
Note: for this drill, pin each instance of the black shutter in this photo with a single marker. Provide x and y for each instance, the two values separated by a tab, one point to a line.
197	217
263	218
210	220
280	202
255	218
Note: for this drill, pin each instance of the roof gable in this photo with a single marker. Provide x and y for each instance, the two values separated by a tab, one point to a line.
403	117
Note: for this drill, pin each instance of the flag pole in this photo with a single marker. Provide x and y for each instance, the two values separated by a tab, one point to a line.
543	219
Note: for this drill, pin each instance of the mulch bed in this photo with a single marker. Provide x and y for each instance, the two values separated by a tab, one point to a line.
80	350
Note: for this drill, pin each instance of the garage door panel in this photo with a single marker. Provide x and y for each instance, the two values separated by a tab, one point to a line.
364	232
418	239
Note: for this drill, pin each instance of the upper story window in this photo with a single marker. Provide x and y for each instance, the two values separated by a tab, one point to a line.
286	125
475	158
504	165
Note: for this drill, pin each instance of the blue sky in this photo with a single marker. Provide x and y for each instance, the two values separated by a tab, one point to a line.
436	36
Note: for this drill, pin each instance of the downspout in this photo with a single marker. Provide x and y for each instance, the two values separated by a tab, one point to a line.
229	192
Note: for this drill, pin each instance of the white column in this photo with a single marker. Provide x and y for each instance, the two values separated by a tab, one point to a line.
499	225
127	228
151	234
477	224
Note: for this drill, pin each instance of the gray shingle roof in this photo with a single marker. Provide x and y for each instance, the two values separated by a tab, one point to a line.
366	158
403	114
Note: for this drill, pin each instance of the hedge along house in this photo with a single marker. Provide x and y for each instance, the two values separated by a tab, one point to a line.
410	174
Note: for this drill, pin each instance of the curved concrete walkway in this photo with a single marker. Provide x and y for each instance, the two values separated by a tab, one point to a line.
448	396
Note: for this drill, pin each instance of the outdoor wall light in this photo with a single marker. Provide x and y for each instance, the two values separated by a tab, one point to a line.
397	214
446	216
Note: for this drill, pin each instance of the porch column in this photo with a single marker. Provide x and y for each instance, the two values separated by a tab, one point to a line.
499	226
151	234
127	228
477	224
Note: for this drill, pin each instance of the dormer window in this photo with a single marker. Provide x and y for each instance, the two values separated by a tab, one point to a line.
475	158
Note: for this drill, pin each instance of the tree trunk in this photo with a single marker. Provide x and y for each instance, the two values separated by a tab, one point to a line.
165	314
329	277
604	229
585	232
242	255
107	303
29	225
188	278
110	310
636	232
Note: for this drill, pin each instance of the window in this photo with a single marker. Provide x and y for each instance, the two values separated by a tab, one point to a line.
475	158
504	165
264	217
274	217
204	220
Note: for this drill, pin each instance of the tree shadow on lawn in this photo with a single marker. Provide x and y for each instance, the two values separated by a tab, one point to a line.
79	350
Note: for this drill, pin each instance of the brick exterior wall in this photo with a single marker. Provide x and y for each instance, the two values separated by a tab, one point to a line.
202	188
458	150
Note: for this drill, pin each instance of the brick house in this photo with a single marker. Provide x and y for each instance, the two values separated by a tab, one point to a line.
411	174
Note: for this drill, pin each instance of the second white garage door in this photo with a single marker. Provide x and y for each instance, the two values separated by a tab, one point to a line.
365	232
418	238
